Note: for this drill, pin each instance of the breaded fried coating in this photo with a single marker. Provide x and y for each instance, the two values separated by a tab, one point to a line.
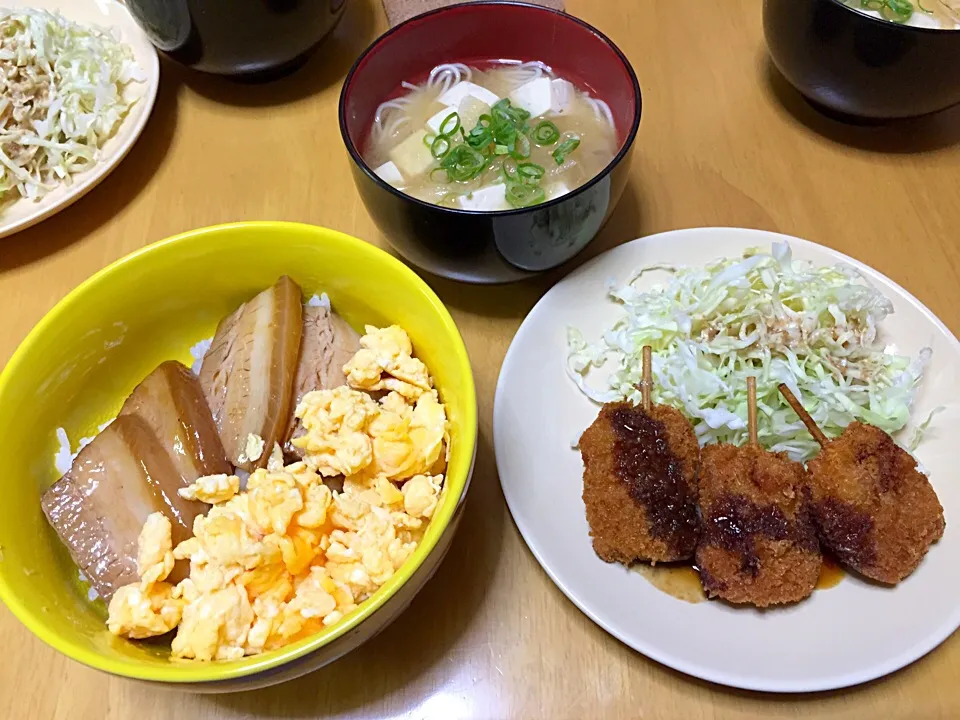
640	484
873	509
758	545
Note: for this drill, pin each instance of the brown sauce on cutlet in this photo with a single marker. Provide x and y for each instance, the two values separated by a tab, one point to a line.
735	522
830	574
654	478
885	454
679	581
846	531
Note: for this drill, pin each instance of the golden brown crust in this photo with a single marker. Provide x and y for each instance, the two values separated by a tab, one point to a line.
758	545
873	509
619	523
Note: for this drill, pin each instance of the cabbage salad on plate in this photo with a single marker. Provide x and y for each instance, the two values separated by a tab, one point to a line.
765	315
62	96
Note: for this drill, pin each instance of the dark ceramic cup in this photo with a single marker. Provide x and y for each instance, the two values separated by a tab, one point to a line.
254	39
506	245
857	65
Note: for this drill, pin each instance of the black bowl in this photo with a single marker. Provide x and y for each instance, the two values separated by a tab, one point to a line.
506	245
861	66
252	39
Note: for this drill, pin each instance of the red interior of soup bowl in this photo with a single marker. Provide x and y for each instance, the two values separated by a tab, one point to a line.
476	33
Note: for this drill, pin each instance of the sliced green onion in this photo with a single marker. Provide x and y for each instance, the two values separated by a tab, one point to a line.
509	168
514	115
530	173
479	137
519	195
501	150
565	148
521	150
463	163
449	128
897	10
545	133
504	134
440	146
428	140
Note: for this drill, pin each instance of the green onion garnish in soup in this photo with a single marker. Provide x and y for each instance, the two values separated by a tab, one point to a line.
440	146
546	133
521	147
463	163
530	172
946	13
506	126
896	10
450	124
565	148
520	195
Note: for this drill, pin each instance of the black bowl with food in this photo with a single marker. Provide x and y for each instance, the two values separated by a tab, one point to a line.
246	39
491	140
899	62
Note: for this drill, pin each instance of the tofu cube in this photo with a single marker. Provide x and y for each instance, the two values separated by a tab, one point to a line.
436	121
556	190
388	172
491	198
412	157
536	96
455	95
562	94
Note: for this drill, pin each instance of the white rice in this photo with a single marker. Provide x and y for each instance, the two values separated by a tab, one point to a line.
64	457
91	593
197	352
319	301
243	475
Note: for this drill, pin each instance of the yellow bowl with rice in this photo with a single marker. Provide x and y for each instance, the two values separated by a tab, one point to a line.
81	361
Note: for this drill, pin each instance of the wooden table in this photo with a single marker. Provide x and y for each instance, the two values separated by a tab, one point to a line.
723	142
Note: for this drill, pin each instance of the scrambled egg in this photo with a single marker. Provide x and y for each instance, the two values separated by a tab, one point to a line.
287	556
336	421
211	489
148	608
253	450
385	362
349	433
398	437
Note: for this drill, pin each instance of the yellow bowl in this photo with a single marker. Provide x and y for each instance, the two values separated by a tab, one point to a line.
81	361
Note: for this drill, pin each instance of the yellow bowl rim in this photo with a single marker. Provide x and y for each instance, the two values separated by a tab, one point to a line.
200	672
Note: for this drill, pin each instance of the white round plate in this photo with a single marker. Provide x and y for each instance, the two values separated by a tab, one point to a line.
108	14
842	636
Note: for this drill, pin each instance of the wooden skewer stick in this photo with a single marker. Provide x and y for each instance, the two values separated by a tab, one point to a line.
752	410
646	386
803	414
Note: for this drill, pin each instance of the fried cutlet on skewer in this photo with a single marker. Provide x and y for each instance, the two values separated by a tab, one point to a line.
640	480
758	545
873	509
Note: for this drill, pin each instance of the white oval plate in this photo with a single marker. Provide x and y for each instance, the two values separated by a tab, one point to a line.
846	635
108	14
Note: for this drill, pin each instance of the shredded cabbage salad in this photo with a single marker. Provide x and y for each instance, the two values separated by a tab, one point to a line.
765	314
62	95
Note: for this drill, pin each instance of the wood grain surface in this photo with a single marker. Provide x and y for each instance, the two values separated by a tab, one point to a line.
723	141
399	10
